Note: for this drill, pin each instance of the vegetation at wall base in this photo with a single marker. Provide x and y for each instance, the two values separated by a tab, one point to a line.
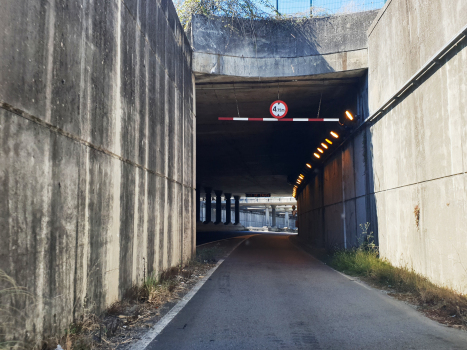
12	299
438	303
127	320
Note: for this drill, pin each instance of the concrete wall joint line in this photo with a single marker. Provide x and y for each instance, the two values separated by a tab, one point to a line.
281	57
378	17
335	203
61	132
381	191
419	182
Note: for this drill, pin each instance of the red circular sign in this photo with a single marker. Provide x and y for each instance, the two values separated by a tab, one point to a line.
278	109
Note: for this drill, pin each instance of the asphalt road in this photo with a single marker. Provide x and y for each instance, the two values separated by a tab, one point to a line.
269	294
207	237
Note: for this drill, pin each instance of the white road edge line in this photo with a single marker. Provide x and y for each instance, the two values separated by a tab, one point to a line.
164	321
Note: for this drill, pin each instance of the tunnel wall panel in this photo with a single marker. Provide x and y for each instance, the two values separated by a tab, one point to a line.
96	153
339	197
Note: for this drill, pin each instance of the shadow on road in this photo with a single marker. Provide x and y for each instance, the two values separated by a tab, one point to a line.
207	237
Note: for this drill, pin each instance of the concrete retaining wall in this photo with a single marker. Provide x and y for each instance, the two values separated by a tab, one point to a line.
96	152
419	146
405	173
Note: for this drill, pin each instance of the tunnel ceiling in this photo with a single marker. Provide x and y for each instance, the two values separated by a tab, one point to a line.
242	157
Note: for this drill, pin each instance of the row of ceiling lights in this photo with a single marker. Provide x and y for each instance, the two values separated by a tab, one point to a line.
324	146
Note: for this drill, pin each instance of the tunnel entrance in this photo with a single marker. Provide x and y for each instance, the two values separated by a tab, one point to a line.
318	68
394	175
265	156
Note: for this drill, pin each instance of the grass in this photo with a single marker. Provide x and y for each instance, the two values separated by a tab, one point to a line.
93	331
441	304
10	295
103	331
159	288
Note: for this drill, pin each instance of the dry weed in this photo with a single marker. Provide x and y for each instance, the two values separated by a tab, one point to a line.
141	307
441	304
13	301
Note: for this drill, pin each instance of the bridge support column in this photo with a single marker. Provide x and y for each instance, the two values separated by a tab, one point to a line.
218	207
267	216
237	210
228	213
208	191
198	204
273	216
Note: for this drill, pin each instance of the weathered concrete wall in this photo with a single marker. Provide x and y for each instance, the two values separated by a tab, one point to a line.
339	197
269	49
96	152
419	146
406	172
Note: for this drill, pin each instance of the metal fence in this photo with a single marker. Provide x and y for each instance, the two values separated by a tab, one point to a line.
325	7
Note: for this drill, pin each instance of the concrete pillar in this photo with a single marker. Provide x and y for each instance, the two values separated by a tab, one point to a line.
286	218
218	207
237	210
208	191
198	204
273	216
228	209
267	216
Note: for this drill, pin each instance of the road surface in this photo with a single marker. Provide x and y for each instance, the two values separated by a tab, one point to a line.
269	294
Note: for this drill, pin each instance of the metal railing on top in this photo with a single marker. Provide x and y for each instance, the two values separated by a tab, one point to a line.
325	7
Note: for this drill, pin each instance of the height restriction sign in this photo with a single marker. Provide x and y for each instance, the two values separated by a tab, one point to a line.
278	109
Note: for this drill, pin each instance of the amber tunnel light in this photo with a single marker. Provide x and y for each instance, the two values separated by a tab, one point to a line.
329	141
324	146
308	165
316	155
320	150
334	134
349	115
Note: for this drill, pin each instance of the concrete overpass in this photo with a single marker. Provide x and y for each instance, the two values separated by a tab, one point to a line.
319	64
221	215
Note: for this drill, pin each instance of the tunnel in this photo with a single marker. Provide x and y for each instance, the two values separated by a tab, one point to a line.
318	68
119	127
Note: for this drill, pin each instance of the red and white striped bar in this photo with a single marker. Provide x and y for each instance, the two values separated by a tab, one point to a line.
281	120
